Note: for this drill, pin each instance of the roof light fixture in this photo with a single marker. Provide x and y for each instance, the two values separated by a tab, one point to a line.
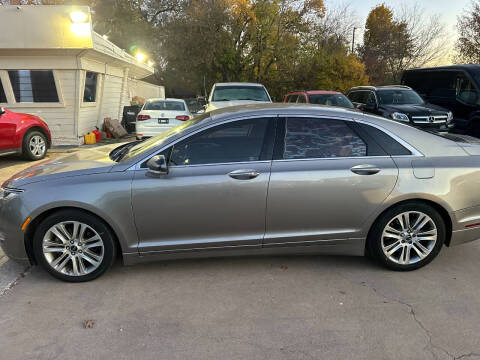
79	17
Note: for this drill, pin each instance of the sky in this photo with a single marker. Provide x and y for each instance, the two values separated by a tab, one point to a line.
447	9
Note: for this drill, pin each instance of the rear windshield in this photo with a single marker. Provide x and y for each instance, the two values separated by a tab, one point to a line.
331	99
164	105
233	93
399	97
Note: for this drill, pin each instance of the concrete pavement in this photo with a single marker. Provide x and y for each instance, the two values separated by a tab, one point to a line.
308	307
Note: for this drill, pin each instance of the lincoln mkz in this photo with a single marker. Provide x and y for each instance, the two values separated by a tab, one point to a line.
258	179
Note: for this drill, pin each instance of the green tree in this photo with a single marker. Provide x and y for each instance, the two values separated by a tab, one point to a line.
386	45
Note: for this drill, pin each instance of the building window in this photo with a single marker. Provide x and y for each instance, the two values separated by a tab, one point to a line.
90	90
3	98
33	86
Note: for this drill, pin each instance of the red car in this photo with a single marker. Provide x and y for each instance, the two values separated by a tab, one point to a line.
23	134
319	97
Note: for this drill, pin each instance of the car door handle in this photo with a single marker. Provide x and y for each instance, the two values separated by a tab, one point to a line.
365	169
243	174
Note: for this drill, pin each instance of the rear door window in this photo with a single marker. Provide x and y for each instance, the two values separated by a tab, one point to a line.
292	98
307	138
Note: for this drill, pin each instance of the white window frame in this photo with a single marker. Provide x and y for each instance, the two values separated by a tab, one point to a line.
97	92
12	103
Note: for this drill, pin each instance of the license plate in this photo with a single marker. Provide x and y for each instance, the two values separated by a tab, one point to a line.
163	121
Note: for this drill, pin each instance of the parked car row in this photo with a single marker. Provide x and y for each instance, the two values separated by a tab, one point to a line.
446	97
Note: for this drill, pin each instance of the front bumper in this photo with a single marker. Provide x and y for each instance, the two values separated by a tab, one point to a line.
12	238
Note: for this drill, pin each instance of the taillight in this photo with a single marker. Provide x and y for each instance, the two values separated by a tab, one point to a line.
183	117
143	117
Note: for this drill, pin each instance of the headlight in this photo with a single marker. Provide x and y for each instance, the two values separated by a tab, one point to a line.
400	117
9	192
449	116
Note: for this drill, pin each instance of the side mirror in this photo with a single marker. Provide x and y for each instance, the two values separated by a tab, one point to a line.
157	165
371	106
274	99
2	111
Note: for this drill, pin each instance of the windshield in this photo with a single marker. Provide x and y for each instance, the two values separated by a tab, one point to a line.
164	105
155	141
232	93
399	97
331	100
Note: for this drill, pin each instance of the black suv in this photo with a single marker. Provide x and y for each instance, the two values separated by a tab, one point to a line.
402	104
455	87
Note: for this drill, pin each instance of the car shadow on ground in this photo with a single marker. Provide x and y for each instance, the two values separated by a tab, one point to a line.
9	160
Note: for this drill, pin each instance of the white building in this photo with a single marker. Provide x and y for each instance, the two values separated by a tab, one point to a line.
53	64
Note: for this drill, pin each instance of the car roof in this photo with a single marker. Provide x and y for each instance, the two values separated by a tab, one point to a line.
237	84
468	67
383	87
165	99
315	92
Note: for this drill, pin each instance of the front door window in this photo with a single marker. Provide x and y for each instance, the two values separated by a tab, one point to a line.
239	141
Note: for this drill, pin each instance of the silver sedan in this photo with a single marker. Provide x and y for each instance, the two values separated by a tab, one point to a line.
266	179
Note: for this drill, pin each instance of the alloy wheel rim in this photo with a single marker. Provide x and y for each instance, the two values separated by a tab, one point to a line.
37	146
409	237
73	248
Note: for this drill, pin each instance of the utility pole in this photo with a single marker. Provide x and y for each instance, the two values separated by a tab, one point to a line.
353	39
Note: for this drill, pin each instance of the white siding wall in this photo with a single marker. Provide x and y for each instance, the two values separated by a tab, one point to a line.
145	90
60	119
70	120
111	97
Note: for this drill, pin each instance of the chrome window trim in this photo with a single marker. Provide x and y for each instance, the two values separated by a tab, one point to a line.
414	151
339	158
214	164
410	147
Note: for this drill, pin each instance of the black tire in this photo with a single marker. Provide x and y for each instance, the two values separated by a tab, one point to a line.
27	151
374	241
109	247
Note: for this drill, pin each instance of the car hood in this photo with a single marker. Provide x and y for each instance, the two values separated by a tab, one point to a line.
83	162
416	110
223	104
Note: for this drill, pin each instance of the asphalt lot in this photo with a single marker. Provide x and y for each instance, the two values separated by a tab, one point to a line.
246	308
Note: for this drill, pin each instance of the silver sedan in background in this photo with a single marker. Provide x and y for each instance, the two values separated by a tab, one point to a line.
256	179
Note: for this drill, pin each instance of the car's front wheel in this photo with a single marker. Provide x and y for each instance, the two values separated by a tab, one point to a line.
34	145
74	246
407	237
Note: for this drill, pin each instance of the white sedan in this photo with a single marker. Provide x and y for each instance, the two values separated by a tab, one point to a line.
159	115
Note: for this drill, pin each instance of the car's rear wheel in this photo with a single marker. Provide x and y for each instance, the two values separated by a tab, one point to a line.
34	145
407	236
74	246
